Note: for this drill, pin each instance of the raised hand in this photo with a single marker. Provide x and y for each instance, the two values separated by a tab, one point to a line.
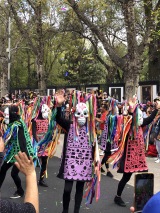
24	164
132	103
60	99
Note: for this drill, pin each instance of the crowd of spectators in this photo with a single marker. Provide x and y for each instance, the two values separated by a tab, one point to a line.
17	96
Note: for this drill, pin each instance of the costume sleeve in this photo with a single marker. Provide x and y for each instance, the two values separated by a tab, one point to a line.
22	140
149	119
34	130
65	124
7	206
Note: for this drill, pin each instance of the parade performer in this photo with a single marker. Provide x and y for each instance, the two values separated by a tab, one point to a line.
16	139
44	131
130	156
39	129
77	156
107	148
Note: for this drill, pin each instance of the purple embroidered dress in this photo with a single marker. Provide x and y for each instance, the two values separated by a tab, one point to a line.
78	157
76	162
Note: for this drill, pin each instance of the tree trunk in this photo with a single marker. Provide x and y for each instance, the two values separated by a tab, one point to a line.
40	54
154	55
29	69
133	64
41	80
131	83
3	85
154	61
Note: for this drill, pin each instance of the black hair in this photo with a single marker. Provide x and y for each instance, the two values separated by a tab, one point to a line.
13	113
105	106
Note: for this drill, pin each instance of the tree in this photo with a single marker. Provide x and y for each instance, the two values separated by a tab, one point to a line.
131	63
3	54
36	24
152	12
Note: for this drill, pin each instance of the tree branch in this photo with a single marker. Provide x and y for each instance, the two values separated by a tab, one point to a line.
20	26
32	5
95	30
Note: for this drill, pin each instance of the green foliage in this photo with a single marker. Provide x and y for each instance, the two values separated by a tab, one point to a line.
65	41
79	65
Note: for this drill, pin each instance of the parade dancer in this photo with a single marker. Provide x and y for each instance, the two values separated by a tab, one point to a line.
39	128
77	157
107	149
127	158
16	139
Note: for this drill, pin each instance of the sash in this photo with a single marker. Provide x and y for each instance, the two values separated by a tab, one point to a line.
114	158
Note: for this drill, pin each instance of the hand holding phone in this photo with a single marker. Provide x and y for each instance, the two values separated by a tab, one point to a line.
143	190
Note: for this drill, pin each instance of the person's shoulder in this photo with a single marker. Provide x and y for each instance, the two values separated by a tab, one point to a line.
153	204
12	207
156	197
5	206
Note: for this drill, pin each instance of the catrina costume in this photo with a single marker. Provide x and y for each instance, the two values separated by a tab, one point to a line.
77	156
39	129
111	134
44	131
130	156
16	139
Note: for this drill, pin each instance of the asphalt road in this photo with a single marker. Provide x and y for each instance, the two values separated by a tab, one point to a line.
51	198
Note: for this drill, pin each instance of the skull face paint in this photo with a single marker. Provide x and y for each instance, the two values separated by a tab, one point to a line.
45	111
6	115
140	117
81	113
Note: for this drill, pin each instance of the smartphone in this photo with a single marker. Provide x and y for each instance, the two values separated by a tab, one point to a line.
143	190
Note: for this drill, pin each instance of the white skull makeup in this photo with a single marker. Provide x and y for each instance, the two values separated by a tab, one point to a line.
6	115
45	111
140	117
81	113
125	109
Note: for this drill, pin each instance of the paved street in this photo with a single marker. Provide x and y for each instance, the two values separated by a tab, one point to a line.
51	197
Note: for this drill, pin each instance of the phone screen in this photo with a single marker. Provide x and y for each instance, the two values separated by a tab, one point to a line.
144	186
